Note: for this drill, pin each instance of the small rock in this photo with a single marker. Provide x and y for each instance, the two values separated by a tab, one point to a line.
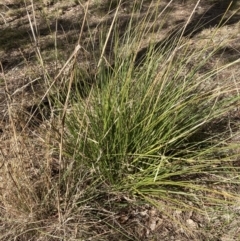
191	223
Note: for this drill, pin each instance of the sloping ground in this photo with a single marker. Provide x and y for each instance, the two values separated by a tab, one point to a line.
56	25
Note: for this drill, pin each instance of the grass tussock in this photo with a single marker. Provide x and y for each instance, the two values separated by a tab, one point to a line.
131	134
